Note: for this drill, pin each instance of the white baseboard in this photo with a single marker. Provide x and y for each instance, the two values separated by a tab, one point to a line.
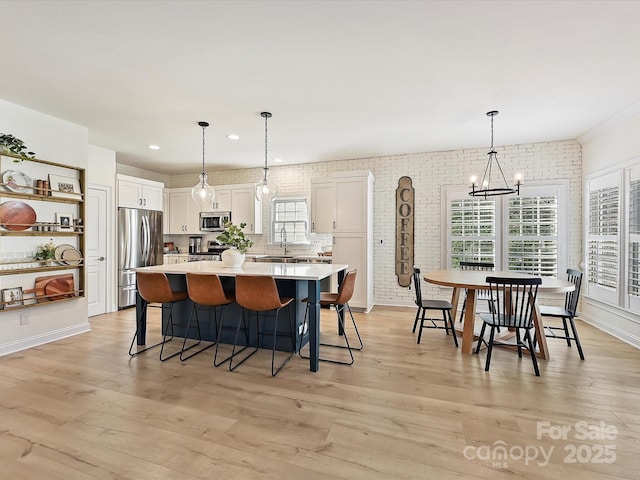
23	344
612	330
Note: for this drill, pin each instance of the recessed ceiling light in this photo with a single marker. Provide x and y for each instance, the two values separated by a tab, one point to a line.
233	136
277	159
154	147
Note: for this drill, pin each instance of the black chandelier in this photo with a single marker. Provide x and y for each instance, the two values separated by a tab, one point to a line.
485	189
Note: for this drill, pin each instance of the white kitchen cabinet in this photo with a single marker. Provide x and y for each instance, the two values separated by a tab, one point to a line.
355	250
343	205
222	200
184	213
175	258
323	205
136	192
165	211
245	208
353	202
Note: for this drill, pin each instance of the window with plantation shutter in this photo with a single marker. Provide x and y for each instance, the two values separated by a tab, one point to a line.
521	233
603	257
532	235
472	231
292	214
633	266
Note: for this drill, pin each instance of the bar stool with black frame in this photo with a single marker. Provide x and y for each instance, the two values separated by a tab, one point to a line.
259	294
154	287
206	292
423	305
340	301
515	300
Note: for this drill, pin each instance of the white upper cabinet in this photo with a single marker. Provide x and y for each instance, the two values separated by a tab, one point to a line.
222	200
245	208
353	203
323	205
184	213
136	192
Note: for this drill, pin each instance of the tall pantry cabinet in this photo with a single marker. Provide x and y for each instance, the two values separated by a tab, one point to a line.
343	206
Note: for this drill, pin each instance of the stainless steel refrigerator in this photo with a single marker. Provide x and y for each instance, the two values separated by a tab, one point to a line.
139	245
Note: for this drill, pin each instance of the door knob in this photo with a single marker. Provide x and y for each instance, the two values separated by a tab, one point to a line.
101	259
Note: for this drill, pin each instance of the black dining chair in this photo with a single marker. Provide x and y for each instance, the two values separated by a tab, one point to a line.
423	305
514	300
566	313
480	294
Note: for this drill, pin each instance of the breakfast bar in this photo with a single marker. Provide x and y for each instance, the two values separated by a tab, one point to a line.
297	280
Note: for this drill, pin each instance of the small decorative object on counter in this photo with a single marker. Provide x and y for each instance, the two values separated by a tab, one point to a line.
234	237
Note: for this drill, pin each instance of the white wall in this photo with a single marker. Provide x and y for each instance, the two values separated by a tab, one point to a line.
429	172
59	141
614	145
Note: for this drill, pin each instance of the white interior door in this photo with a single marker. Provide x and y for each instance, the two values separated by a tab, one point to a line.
96	250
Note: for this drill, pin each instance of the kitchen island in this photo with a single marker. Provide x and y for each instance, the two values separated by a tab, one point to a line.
297	280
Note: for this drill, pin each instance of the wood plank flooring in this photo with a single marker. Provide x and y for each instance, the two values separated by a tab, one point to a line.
82	409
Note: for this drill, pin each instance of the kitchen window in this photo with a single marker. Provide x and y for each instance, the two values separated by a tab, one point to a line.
292	215
525	233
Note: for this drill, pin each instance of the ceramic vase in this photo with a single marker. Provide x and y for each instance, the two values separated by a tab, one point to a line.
232	258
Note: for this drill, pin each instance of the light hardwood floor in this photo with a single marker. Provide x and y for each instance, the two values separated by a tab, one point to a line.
82	409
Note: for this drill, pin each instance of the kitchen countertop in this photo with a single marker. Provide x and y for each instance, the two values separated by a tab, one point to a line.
294	271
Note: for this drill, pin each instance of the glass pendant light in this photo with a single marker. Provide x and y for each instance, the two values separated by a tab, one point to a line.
203	194
265	190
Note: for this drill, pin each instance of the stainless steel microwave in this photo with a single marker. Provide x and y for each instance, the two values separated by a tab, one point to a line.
213	221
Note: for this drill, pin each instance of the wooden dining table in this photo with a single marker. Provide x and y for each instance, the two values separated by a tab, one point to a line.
474	280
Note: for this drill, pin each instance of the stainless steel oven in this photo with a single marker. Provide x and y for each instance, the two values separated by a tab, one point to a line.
213	221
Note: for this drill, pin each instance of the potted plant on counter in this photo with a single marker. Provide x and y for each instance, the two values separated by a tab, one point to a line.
234	237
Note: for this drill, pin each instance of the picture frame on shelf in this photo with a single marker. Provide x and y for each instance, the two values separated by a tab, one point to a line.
65	222
65	187
12	297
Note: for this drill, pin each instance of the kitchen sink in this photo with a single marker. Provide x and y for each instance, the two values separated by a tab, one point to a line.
277	259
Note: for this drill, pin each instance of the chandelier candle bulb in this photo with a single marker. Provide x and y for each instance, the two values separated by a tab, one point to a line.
473	181
518	178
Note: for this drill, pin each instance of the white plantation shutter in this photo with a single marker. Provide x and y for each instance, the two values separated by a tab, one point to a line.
525	233
633	266
532	235
603	258
472	230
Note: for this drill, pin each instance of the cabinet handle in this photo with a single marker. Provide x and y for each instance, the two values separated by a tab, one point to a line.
145	202
334	224
313	225
140	201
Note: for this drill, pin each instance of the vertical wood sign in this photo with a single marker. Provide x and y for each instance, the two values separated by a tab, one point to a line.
405	199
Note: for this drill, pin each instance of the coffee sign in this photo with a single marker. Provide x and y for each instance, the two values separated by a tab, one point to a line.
405	200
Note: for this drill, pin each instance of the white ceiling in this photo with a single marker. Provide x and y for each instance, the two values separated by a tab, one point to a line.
343	79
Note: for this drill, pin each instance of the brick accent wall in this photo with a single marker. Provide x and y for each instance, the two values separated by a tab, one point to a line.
429	172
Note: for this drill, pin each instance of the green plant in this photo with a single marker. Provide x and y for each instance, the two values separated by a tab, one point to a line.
233	236
15	146
46	251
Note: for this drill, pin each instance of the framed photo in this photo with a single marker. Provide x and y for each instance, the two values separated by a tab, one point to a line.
12	297
65	187
65	222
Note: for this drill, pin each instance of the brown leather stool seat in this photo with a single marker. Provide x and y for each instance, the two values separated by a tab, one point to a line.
154	287
340	301
205	290
260	295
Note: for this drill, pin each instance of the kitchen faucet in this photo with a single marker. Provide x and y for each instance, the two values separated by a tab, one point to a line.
283	239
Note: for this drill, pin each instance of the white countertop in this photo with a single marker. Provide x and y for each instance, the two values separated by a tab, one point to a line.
292	271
